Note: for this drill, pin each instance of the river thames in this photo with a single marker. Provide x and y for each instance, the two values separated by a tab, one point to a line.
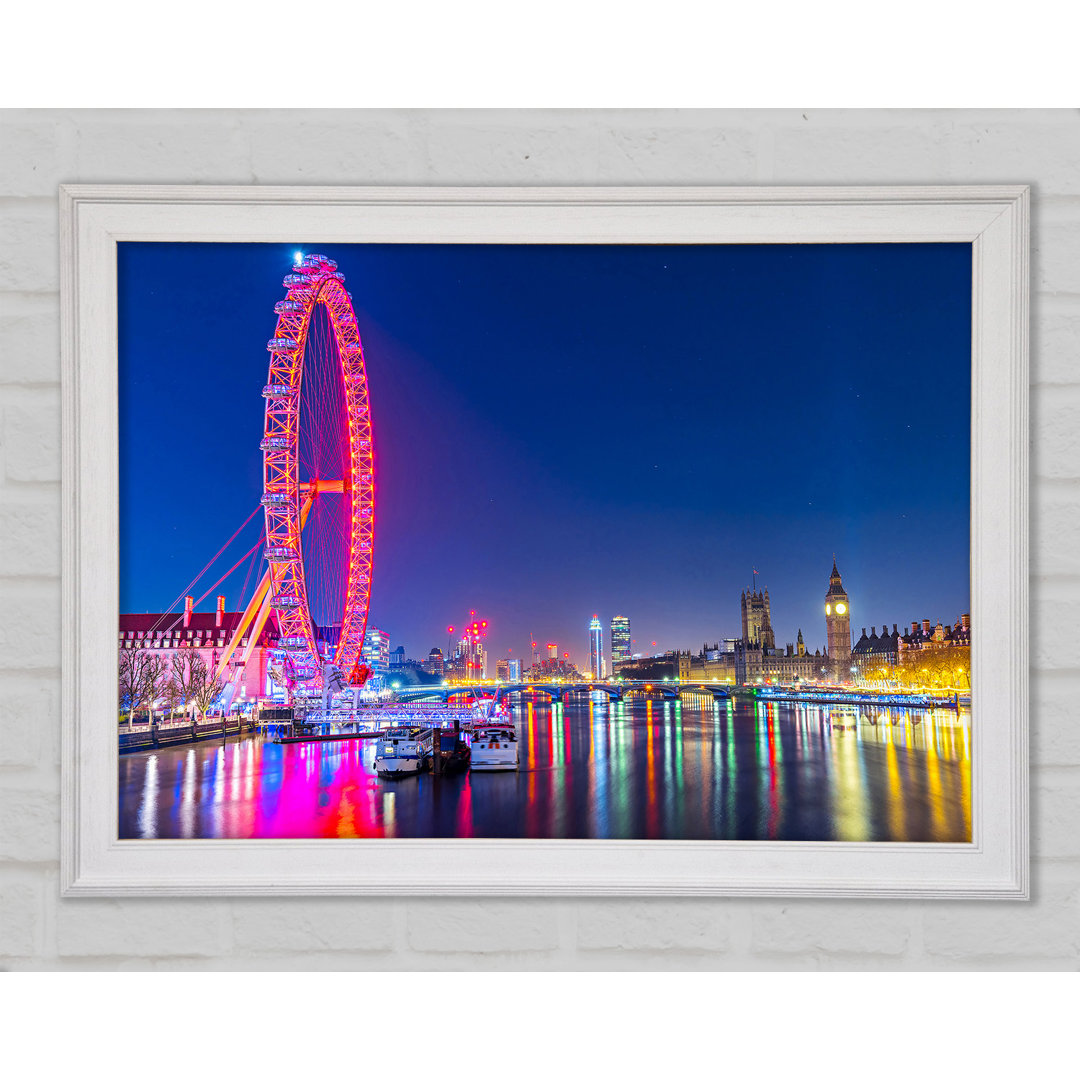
647	770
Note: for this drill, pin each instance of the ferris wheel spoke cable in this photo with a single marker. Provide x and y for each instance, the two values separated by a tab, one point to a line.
186	591
258	544
247	578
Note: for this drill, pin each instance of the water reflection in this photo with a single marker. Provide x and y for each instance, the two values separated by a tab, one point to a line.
656	770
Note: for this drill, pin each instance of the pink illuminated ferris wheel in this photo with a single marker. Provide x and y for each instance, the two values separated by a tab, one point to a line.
318	471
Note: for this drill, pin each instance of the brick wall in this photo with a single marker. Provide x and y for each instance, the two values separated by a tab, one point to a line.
40	149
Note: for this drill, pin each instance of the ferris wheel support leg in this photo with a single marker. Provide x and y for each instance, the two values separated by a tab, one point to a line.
257	628
258	606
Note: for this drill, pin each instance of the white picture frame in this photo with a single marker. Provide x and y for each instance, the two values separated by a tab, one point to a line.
993	219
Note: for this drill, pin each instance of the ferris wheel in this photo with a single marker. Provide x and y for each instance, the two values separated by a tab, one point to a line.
305	442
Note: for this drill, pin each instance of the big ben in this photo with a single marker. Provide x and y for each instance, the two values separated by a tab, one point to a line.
838	629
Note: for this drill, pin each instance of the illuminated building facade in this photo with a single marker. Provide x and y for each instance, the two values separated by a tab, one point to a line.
434	664
874	654
208	633
597	660
376	654
514	669
936	655
620	640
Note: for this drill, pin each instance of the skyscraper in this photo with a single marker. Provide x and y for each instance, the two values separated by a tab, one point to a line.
596	649
620	640
838	629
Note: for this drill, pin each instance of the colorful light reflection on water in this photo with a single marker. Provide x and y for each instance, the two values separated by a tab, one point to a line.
646	770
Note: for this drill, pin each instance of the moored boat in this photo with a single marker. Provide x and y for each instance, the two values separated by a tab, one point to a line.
451	750
494	746
399	753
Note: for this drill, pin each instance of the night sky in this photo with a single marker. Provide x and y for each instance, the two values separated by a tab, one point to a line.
563	430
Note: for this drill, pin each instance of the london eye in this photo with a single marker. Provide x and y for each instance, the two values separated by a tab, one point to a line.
317	442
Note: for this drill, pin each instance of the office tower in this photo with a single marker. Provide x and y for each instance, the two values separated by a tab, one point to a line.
596	649
620	640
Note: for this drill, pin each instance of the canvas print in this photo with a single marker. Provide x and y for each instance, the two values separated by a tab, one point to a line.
542	541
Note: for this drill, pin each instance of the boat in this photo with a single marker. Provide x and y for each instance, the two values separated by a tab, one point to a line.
400	752
458	760
494	746
452	751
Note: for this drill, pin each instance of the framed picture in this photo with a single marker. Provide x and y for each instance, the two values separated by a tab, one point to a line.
545	541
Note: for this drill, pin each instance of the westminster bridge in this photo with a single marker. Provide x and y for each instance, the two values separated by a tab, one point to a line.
559	692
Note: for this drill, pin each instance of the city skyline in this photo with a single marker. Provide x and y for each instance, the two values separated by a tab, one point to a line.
809	431
782	641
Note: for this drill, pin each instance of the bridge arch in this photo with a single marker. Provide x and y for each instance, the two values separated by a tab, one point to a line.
665	690
718	691
614	693
554	692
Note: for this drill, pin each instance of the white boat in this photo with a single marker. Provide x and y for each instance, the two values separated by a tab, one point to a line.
399	752
494	746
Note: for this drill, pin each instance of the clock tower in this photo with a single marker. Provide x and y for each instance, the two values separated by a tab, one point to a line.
838	629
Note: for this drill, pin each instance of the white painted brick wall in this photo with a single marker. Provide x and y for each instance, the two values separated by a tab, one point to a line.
40	149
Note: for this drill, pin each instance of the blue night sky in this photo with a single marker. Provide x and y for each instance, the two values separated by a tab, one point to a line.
563	430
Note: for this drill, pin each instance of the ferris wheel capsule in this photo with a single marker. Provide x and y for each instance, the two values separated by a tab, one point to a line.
281	344
274	442
281	554
276	498
277	391
288	307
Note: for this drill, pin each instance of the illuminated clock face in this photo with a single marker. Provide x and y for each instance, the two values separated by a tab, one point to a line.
828	609
841	608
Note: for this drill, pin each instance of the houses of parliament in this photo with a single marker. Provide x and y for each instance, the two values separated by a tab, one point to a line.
754	657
